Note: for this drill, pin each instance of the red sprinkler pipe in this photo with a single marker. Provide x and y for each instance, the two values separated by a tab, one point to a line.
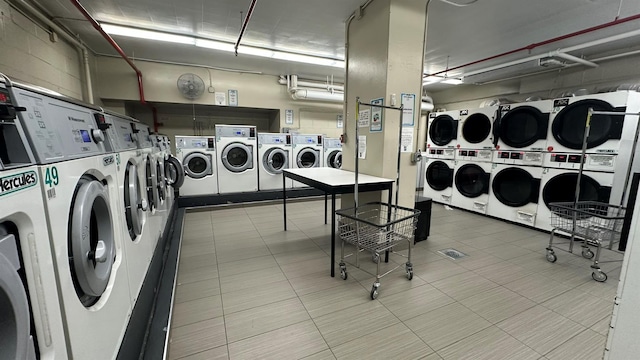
545	42
245	23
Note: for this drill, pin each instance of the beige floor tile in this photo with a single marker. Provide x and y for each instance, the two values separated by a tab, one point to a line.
605	291
392	342
464	285
417	301
541	329
394	282
320	281
198	274
291	245
259	295
488	344
478	260
497	304
191	312
197	249
588	345
219	353
298	269
503	273
446	325
197	290
507	251
580	307
335	299
322	355
245	266
188	263
262	319
438	270
299	255
602	327
251	279
242	254
292	342
537	288
351	323
198	337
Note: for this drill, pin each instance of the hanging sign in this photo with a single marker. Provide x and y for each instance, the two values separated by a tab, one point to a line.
408	102
233	97
407	139
288	117
364	117
362	146
376	115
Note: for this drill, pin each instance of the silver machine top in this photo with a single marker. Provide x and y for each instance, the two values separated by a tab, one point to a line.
308	139
238	131
274	139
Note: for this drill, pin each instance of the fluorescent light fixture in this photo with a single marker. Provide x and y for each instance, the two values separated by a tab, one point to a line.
220	45
432	80
452	81
147	34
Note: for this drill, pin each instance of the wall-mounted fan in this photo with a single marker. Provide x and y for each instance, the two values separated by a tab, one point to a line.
190	86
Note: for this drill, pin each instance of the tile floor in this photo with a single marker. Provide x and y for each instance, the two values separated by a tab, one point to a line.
248	290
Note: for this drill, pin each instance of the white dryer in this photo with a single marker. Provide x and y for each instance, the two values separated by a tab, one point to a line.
522	126
514	193
475	130
559	185
307	153
274	152
438	183
472	181
442	134
198	157
30	310
237	158
332	153
79	181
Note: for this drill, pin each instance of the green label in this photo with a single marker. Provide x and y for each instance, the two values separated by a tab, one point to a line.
16	182
51	177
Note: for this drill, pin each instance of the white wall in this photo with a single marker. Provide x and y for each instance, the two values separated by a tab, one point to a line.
28	55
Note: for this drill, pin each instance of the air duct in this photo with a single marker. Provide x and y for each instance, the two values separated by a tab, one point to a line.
318	95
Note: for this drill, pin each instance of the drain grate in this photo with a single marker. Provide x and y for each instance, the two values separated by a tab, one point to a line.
452	253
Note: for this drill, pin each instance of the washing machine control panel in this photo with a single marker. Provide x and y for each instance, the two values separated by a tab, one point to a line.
235	132
120	134
331	143
274	139
307	139
533	158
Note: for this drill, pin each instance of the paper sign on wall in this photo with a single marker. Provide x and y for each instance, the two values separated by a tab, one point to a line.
364	117
339	121
408	102
376	115
288	117
233	97
221	98
362	147
407	139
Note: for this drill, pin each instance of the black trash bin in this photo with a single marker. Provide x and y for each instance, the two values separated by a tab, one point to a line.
424	220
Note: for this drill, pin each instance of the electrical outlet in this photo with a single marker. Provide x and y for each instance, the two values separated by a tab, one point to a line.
211	89
393	100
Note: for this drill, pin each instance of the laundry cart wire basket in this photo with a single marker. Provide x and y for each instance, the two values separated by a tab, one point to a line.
592	223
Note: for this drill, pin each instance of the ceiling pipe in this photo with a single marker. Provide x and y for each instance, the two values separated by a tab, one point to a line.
309	94
244	24
576	59
546	42
282	80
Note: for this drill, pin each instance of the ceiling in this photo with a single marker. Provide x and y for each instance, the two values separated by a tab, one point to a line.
456	35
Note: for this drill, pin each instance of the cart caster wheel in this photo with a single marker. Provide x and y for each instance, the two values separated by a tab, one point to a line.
375	257
599	276
551	257
343	274
410	274
374	293
587	253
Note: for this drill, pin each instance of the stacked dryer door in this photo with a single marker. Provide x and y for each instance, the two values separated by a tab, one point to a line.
442	134
274	152
514	193
198	157
438	183
307	153
472	180
475	130
332	153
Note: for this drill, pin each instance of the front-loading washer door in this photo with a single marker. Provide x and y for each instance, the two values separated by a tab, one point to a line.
476	128
439	175
335	159
237	157
515	187
198	165
472	181
569	125
174	172
522	126
562	188
276	160
152	183
160	179
134	202
91	248
308	158
443	129
15	336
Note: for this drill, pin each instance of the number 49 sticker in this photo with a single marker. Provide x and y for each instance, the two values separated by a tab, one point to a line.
51	177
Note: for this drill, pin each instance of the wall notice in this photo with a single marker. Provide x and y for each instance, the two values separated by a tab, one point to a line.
364	117
376	115
288	117
407	139
233	97
408	103
339	121
362	147
221	98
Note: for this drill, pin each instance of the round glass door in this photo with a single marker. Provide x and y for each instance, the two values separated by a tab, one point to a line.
443	130
523	126
152	183
514	187
91	240
439	175
174	172
237	157
562	188
307	158
335	159
476	128
134	203
161	187
276	160
198	165
569	125
472	181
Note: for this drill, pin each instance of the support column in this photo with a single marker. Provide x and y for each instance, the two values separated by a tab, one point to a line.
385	55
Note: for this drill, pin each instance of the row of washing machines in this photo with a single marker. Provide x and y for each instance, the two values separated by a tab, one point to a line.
512	161
239	159
84	198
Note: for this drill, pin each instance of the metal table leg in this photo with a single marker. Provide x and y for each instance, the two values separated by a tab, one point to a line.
333	233
284	200
325	208
389	199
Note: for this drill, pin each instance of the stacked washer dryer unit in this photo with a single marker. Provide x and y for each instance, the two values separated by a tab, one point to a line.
609	150
237	158
308	152
520	132
198	157
332	153
30	310
274	153
442	134
474	155
81	201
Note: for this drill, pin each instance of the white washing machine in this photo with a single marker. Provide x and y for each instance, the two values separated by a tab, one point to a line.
332	153
611	138
307	153
173	173
514	193
160	157
438	183
274	152
30	310
522	126
80	187
559	185
198	157
442	134
472	181
237	158
475	129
